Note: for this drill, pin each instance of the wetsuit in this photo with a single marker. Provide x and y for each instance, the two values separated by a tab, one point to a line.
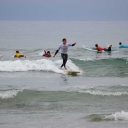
64	50
18	55
108	50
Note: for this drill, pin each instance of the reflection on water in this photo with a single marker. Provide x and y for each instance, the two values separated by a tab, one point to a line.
64	79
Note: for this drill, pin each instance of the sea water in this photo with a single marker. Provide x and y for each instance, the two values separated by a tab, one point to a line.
35	93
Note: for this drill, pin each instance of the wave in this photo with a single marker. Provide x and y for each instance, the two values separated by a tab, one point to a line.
100	59
119	90
115	91
35	65
7	94
117	116
103	93
123	116
108	67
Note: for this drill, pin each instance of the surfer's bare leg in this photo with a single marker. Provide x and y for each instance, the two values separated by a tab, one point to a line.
65	68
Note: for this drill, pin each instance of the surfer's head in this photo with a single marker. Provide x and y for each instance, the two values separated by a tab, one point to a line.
17	51
64	41
48	53
96	45
120	43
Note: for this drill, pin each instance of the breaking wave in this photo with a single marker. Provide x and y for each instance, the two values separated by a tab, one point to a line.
35	65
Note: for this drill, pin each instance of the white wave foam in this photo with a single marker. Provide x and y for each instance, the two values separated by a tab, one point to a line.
91	91
9	94
35	65
103	93
86	59
41	52
118	116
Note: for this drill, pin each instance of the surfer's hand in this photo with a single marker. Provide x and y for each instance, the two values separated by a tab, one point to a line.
75	43
54	56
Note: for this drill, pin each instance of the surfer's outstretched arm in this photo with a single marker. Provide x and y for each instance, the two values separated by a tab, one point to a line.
57	51
45	52
74	44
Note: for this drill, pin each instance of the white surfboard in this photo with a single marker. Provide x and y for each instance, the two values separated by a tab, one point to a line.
90	49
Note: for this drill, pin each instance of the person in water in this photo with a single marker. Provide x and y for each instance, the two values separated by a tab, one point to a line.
109	49
99	48
64	52
19	55
47	54
122	45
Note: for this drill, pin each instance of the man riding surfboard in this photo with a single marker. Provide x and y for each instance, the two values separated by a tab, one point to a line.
64	51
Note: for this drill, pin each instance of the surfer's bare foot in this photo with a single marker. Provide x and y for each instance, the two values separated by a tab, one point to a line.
65	68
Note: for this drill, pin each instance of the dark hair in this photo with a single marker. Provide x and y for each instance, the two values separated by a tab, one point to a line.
17	51
96	45
63	39
48	51
120	43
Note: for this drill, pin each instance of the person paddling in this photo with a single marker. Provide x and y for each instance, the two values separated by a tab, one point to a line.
19	55
122	45
64	52
47	54
99	48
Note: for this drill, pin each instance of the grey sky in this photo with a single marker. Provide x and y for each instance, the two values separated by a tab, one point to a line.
54	10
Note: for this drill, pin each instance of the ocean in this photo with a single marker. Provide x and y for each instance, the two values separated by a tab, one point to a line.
35	93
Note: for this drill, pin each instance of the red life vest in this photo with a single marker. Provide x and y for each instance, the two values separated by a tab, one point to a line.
45	55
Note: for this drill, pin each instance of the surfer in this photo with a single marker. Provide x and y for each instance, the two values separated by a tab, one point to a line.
47	54
99	48
108	49
64	51
18	55
122	45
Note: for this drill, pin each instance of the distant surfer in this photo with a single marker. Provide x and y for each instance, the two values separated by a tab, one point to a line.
122	45
64	51
47	54
19	55
99	48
